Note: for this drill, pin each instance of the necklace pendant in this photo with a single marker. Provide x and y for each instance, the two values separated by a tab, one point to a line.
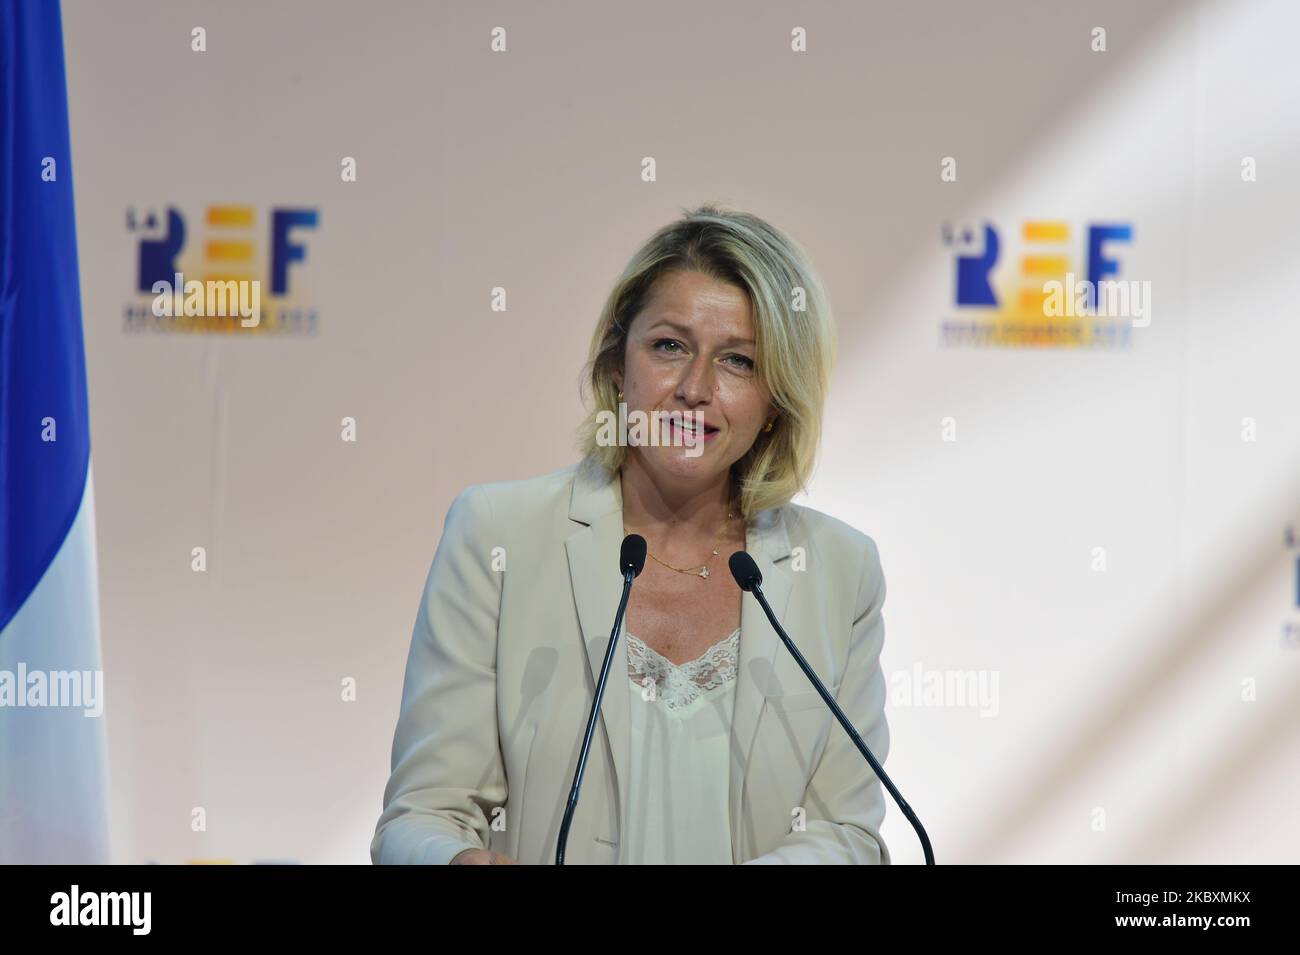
704	572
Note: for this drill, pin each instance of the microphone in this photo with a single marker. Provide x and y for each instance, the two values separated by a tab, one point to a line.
631	560
750	580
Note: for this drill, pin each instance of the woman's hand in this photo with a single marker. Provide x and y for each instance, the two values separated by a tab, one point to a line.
482	857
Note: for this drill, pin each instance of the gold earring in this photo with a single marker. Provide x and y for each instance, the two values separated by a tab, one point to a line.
620	396
769	426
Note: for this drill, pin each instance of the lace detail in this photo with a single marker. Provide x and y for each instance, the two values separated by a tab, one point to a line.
679	686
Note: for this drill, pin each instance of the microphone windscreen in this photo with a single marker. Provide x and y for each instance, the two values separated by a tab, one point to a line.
745	571
632	555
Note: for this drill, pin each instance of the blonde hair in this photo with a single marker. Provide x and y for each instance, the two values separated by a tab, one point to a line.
794	331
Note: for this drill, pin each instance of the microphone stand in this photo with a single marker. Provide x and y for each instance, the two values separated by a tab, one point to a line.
844	721
628	574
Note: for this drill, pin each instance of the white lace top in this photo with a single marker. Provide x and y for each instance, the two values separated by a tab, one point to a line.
679	780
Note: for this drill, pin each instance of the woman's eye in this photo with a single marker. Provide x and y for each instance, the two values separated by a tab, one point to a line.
673	347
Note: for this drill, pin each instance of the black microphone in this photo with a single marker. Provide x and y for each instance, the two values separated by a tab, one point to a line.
631	559
750	579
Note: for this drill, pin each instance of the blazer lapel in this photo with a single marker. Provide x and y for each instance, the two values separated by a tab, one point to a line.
768	542
597	504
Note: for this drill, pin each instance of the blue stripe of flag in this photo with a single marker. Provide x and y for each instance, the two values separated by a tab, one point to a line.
42	363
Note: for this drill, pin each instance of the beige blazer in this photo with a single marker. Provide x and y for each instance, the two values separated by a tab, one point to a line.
508	643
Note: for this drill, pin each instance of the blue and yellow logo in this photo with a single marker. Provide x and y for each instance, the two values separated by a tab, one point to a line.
1024	308
228	253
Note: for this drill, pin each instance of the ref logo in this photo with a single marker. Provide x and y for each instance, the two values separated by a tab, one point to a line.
236	255
1040	298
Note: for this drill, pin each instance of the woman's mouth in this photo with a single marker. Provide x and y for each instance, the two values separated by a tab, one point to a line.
686	431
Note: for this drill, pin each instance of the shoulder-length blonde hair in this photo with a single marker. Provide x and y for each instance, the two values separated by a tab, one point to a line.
795	341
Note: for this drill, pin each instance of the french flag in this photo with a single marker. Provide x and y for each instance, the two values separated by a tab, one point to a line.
53	758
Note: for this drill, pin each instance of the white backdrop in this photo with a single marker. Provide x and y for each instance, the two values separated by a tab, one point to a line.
1126	727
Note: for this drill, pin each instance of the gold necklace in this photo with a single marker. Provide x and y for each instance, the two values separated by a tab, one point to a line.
703	570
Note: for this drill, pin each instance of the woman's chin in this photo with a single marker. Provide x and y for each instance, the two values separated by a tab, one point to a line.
685	463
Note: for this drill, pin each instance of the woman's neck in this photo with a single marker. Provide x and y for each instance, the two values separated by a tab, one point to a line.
700	505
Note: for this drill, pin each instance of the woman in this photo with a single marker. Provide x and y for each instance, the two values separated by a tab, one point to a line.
714	748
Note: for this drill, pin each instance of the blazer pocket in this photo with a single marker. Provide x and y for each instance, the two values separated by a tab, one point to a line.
803	700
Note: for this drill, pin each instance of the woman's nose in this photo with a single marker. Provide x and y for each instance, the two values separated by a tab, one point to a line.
697	384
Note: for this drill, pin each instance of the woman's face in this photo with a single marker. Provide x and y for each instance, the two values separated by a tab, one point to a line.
691	349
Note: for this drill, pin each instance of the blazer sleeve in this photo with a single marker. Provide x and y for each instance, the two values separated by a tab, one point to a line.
844	801
447	770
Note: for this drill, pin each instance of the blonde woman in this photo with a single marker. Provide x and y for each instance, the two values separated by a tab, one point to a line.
712	747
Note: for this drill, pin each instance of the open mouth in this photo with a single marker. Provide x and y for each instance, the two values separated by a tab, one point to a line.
688	427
